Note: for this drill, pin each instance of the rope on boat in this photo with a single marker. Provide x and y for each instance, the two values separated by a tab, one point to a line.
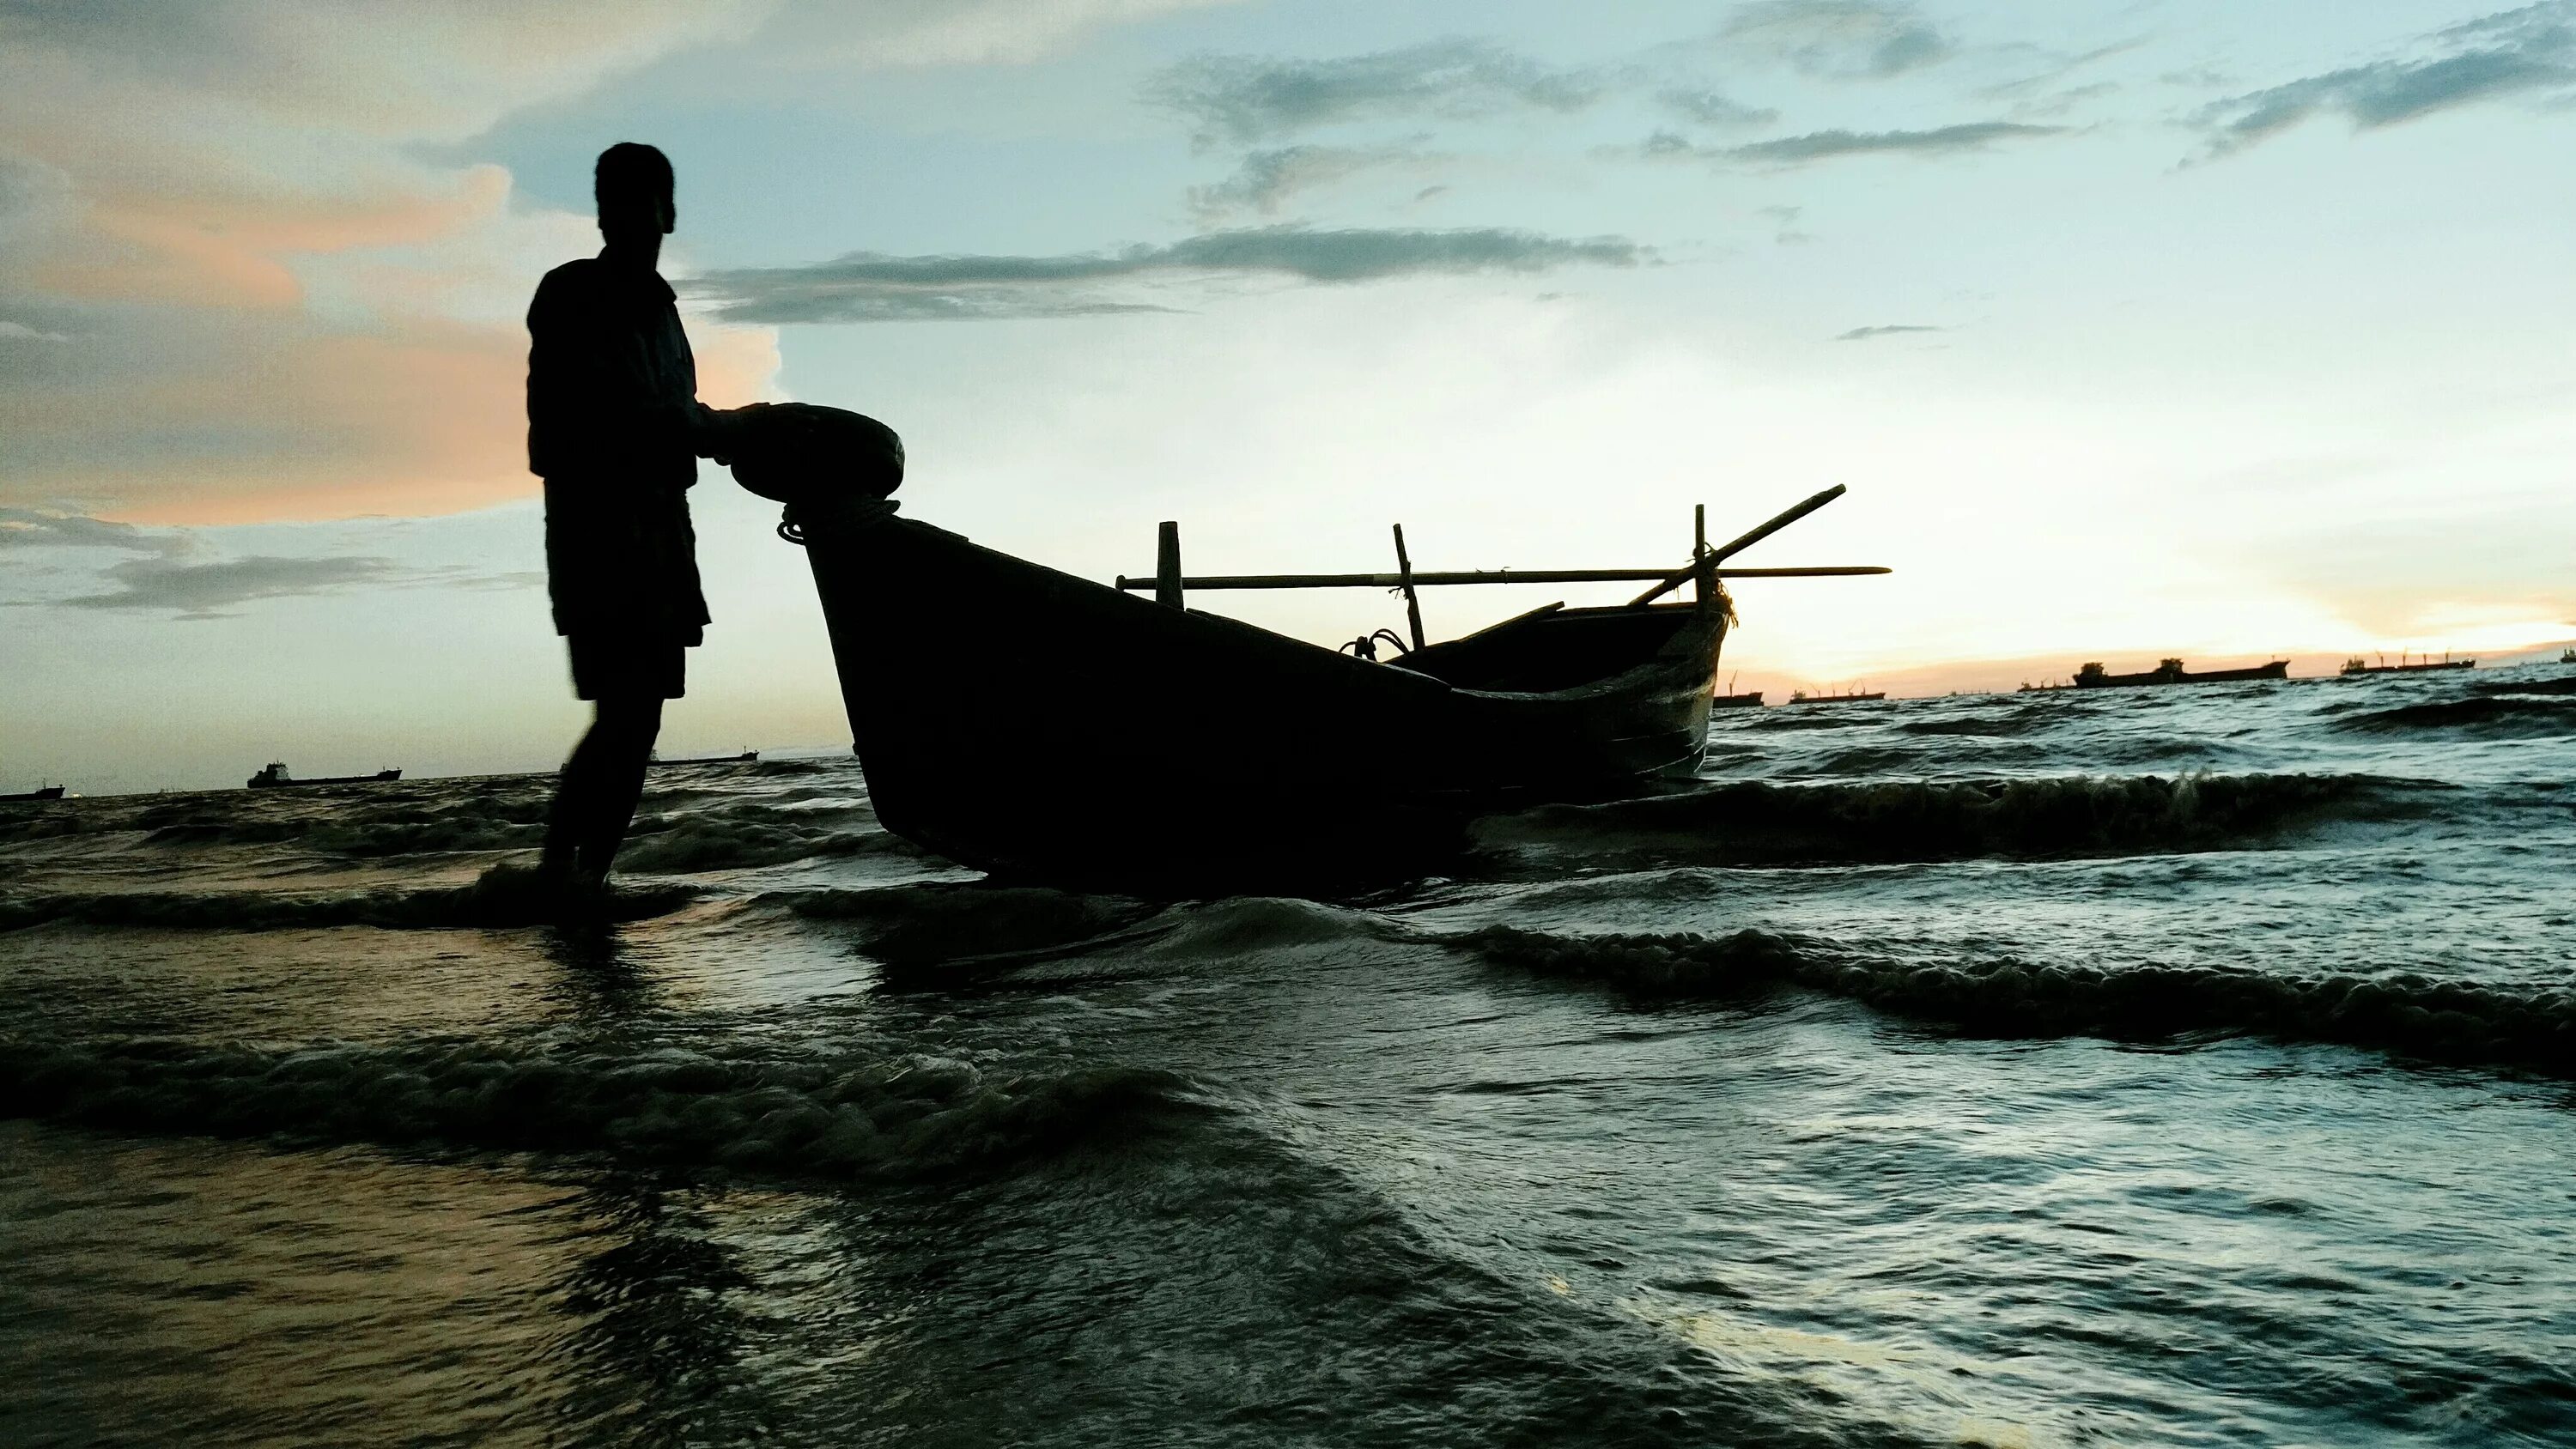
1365	646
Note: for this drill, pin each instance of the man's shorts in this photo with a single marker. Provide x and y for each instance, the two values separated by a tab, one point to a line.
627	666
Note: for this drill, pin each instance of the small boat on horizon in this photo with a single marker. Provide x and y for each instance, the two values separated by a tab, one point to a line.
41	792
1802	697
2356	665
1729	699
2170	671
745	758
276	778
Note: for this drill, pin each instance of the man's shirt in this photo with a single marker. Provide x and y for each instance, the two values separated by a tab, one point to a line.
612	406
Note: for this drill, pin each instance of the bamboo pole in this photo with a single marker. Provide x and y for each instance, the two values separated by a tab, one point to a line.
1674	580
1412	600
1488	576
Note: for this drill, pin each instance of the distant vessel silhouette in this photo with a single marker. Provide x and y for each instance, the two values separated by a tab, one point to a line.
1751	700
276	778
1802	697
745	758
41	792
2356	665
2170	671
2567	656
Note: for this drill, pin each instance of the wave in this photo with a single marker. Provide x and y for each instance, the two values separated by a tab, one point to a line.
500	899
1974	726
804	1116
722	838
1753	822
2443	1020
1239	924
396	828
2565	685
722	843
942	922
943	925
2506	715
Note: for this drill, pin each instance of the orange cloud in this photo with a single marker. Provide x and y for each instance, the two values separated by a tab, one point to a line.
233	251
425	418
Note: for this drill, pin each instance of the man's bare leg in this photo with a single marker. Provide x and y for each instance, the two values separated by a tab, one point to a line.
596	795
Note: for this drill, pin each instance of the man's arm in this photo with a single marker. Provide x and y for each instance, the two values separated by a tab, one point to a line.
596	401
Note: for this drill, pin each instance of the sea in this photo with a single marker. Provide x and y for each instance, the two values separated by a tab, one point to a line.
2180	1066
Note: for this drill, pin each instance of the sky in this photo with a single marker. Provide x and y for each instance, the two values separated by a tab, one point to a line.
2135	329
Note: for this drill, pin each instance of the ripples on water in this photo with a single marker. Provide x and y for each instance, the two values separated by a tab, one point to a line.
2183	1066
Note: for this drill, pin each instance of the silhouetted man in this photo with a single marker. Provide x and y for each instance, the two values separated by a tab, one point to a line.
615	429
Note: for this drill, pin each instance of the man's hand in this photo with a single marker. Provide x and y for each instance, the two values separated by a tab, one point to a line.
721	430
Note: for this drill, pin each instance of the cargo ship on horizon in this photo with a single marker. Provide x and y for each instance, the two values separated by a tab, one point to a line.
2170	671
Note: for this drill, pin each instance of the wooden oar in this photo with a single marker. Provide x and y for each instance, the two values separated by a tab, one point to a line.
1675	580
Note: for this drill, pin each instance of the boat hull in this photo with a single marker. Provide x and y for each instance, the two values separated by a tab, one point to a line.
1179	750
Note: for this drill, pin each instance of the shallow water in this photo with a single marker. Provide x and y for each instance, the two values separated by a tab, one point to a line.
2186	1066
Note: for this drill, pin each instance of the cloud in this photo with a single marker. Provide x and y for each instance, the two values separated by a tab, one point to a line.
2510	53
1942	140
951	32
282	310
1708	108
206	590
173	580
1265	179
1249	99
187	573
1887	329
287	304
1839	39
1815	146
45	527
2053	66
874	287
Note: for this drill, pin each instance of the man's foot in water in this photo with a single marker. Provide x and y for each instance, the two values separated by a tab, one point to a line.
546	890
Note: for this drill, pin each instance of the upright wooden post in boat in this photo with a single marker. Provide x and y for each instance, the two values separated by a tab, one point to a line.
1167	564
1412	600
1703	570
1721	555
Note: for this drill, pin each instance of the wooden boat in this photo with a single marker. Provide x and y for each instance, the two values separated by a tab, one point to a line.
276	778
745	758
1802	697
2091	676
2356	665
41	792
1186	751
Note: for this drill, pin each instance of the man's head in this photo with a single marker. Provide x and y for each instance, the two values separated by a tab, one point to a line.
632	183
